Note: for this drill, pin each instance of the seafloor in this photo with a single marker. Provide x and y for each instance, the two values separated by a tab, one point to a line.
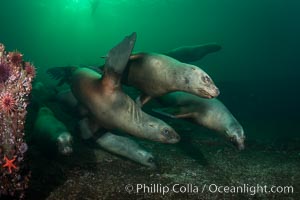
94	174
271	157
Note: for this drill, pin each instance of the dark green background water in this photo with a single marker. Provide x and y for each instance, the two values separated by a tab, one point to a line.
257	69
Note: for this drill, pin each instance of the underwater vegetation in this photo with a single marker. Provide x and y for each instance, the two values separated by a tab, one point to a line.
15	87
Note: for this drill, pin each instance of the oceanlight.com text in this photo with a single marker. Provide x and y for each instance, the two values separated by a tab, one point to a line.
212	188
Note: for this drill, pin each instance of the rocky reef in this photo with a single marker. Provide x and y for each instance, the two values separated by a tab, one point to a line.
16	77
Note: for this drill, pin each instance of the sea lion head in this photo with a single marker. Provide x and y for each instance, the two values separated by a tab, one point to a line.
198	82
64	143
159	131
146	158
235	133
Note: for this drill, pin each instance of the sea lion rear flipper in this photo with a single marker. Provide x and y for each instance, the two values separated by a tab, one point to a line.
188	54
173	112
119	55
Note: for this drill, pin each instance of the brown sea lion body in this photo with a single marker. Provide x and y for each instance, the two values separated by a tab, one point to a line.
51	134
108	106
157	74
120	145
210	113
112	109
126	147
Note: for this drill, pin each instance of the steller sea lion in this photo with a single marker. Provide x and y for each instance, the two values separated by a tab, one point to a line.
50	133
119	145
67	98
210	113
157	74
127	148
108	106
188	54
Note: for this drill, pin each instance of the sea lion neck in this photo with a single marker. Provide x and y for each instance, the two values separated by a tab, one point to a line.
177	78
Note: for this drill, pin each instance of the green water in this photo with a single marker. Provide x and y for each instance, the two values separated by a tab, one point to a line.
259	38
257	69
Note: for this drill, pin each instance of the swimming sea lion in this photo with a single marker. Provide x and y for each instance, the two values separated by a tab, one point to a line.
126	147
188	54
119	145
105	101
157	74
67	98
210	113
50	133
42	93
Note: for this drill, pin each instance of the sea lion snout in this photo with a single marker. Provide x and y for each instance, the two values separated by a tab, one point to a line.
170	135
238	142
64	142
241	145
150	162
142	156
237	137
174	138
214	92
200	83
208	91
217	91
209	86
146	159
66	151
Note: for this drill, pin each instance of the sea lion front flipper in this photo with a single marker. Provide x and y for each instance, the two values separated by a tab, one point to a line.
118	56
173	112
142	99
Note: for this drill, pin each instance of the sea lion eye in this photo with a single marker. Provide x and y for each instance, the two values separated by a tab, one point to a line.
166	132
206	79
